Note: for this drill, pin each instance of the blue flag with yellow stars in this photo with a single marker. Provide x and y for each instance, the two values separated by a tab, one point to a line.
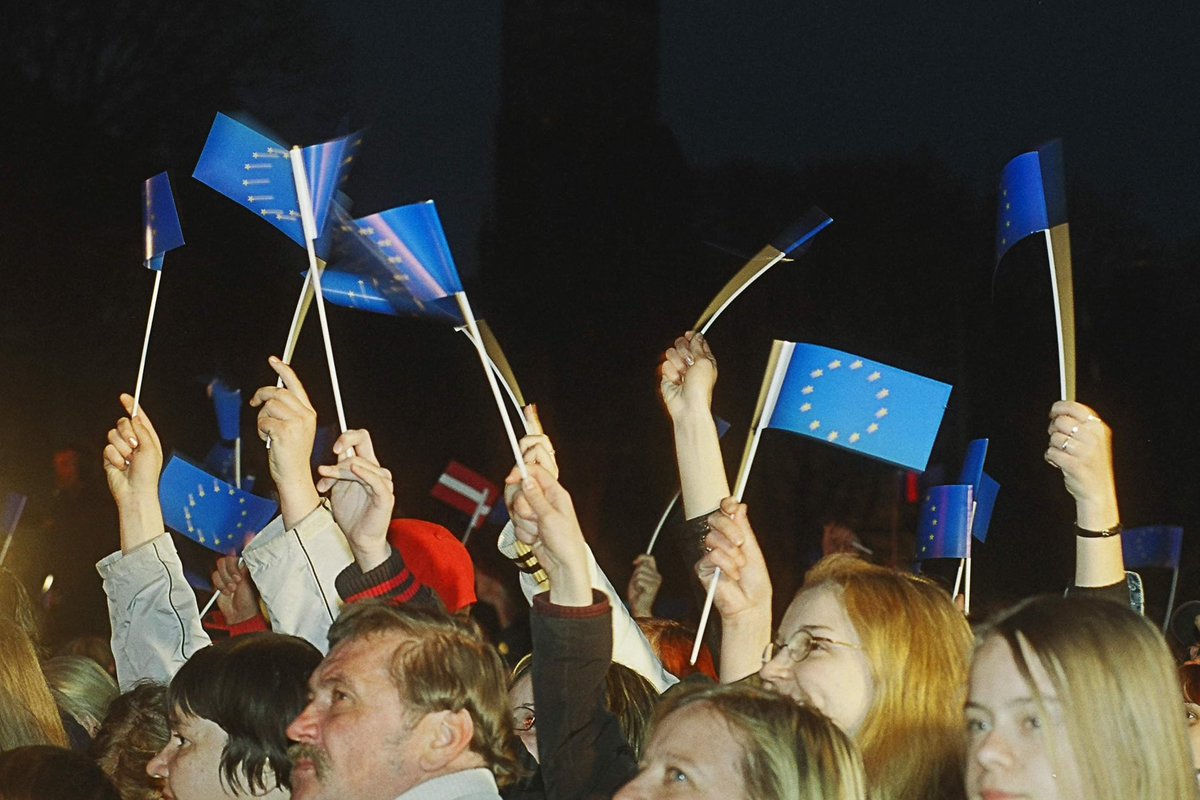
208	510
1032	196
256	172
1153	546
362	292
160	220
860	405
942	527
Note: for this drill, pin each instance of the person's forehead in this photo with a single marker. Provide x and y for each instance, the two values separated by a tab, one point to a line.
995	676
820	608
363	658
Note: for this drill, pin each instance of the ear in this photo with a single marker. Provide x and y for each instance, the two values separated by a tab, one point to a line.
446	735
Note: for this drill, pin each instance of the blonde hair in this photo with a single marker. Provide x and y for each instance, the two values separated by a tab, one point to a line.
27	711
1113	675
789	752
81	688
918	645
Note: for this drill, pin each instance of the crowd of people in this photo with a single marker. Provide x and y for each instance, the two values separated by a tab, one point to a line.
348	668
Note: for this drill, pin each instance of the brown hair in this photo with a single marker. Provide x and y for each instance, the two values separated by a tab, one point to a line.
672	642
789	752
1112	672
42	772
131	735
27	711
446	665
918	645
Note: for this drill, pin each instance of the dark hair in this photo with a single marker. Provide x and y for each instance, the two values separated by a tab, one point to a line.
446	665
252	687
43	772
130	736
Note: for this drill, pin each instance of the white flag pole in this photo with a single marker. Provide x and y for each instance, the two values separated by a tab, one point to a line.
1058	321
958	577
137	390
474	519
465	306
740	289
237	462
314	271
777	364
499	376
662	521
8	537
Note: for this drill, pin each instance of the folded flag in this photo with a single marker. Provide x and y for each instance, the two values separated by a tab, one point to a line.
723	426
208	510
857	404
1032	196
1153	546
799	234
160	220
363	293
466	490
255	172
985	504
972	468
227	402
943	529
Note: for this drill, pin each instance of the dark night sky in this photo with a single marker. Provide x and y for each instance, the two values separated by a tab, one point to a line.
764	82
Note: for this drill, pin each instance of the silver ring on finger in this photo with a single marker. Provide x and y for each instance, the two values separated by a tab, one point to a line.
1066	442
1074	430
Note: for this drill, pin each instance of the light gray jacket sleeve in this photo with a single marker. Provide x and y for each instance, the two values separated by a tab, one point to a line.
630	646
295	571
152	610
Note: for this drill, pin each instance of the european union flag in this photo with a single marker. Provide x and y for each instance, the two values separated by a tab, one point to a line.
256	172
227	402
210	511
362	292
861	405
160	220
942	528
1153	546
985	504
972	468
1032	196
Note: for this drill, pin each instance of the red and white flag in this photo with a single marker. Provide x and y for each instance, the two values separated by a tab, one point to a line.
466	490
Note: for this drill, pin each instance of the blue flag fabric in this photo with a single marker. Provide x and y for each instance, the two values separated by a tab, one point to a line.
722	426
227	402
363	293
210	511
972	468
985	504
160	220
14	507
256	173
1032	196
1153	546
860	405
802	231
942	528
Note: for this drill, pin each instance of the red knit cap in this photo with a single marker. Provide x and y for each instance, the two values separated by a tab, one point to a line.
437	559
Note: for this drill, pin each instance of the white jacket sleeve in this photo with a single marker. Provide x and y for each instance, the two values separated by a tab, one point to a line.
630	646
152	610
295	570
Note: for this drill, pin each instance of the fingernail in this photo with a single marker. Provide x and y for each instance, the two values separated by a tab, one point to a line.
527	483
687	357
273	359
133	441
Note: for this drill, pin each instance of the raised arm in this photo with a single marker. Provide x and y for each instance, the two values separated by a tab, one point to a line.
153	613
1081	447
687	375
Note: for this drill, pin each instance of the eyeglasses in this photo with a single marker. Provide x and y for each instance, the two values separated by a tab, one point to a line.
523	719
800	646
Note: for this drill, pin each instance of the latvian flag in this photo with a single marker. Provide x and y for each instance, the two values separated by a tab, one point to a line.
466	490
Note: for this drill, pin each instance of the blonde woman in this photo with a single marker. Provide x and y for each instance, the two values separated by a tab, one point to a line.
742	742
1075	697
27	711
82	689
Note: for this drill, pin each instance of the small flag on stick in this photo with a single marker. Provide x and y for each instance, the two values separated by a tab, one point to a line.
943	527
467	491
791	240
1032	199
208	510
162	233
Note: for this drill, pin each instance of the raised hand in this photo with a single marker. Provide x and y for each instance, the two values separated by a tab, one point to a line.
286	416
238	599
133	460
643	586
687	376
545	520
535	449
1081	446
362	495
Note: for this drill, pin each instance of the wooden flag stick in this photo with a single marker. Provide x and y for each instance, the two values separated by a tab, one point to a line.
314	272
512	396
662	521
1058	250
465	306
137	390
212	601
958	577
777	364
303	303
761	262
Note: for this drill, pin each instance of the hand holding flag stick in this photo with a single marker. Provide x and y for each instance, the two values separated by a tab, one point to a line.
160	223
